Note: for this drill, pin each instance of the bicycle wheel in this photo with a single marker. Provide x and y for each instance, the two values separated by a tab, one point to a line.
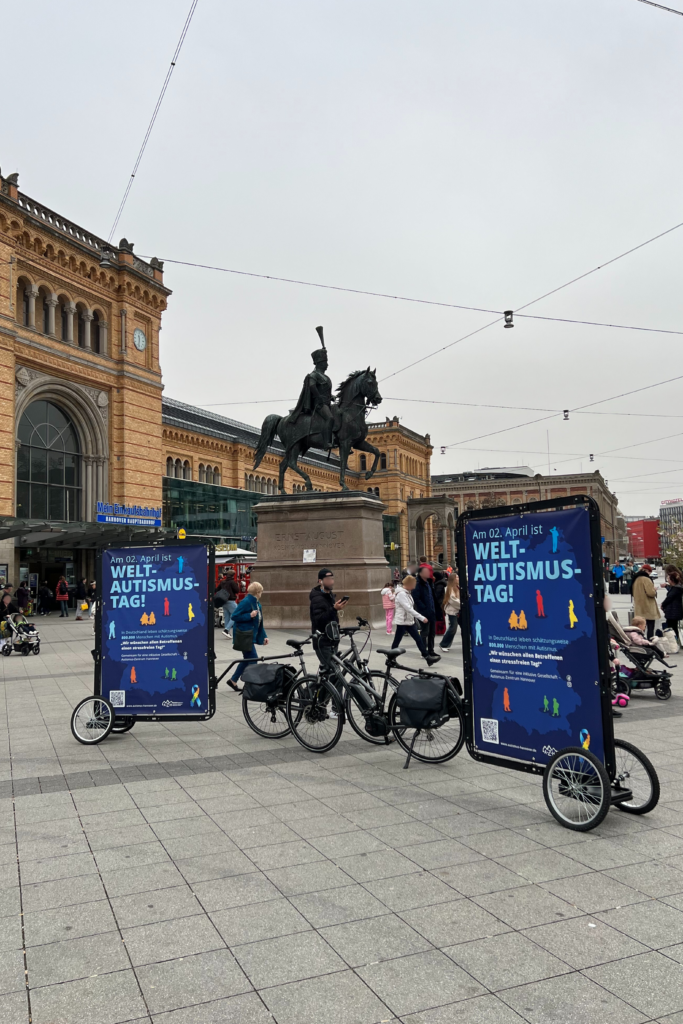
433	746
315	714
576	788
635	772
123	724
92	720
266	718
384	685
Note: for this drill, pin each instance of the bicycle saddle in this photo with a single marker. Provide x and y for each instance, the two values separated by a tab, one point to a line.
391	652
296	644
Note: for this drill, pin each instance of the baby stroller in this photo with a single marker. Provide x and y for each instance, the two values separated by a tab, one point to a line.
18	634
641	676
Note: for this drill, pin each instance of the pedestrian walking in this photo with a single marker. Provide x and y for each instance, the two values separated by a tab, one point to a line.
62	595
440	583
81	594
45	596
672	605
406	614
92	593
23	597
324	608
645	599
248	618
423	597
388	603
229	584
451	607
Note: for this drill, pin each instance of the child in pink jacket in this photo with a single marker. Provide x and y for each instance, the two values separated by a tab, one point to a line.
388	604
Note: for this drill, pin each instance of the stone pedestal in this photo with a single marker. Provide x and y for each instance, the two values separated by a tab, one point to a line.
345	531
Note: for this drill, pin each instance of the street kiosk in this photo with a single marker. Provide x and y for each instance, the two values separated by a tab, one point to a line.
538	689
154	652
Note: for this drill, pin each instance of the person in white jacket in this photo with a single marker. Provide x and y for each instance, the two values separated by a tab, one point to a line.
404	619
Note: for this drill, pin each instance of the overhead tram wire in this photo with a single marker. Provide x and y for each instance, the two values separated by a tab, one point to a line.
579	408
150	126
651	3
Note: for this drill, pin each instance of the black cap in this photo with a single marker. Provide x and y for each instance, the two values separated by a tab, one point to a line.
322	573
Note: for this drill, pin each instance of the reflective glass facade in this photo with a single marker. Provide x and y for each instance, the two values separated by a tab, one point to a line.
209	510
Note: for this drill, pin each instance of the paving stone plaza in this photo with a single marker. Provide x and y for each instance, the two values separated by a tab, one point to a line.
194	873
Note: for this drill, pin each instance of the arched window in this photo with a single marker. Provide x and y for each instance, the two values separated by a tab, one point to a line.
216	475
251	482
81	327
46	312
64	321
187	470
202	473
178	469
48	465
169	466
383	460
95	336
363	463
377	491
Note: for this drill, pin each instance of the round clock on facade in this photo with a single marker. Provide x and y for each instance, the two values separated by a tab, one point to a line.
139	339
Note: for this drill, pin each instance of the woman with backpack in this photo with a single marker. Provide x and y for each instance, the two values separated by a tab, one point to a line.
405	619
62	595
248	631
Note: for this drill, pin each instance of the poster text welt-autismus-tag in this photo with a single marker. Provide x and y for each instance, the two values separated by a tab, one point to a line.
535	671
154	630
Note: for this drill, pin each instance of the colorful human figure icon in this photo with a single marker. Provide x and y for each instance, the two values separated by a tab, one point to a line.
143	619
166	673
513	621
152	619
477	634
546	705
133	675
540	610
573	619
167	607
556	708
585	738
112	630
180	563
555	533
190	613
521	622
506	700
174	675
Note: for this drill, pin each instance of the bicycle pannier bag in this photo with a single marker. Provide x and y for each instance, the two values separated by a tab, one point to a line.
266	680
423	702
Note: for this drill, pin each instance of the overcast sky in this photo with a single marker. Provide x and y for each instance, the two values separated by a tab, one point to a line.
472	153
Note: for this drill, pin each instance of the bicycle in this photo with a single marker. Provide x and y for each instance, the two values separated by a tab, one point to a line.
380	682
316	714
267	717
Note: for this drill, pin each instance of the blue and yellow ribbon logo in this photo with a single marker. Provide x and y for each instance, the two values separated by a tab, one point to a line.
195	697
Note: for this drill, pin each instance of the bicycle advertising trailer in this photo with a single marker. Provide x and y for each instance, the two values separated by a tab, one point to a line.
537	684
154	652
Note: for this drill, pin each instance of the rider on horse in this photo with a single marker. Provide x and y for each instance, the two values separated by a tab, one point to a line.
315	399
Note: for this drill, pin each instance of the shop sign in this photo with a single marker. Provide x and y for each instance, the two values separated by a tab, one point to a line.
128	515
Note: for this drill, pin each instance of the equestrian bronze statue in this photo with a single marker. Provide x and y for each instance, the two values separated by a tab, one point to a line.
320	421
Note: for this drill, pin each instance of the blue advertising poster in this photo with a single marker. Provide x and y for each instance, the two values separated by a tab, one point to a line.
154	624
535	669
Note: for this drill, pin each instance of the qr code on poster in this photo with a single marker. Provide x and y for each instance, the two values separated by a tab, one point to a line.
117	698
489	729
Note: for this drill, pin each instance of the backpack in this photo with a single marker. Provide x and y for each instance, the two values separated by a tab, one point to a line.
266	681
423	702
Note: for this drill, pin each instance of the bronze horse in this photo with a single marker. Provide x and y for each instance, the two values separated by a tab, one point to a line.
357	394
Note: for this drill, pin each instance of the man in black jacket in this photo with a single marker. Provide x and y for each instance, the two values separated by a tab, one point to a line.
324	608
423	596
